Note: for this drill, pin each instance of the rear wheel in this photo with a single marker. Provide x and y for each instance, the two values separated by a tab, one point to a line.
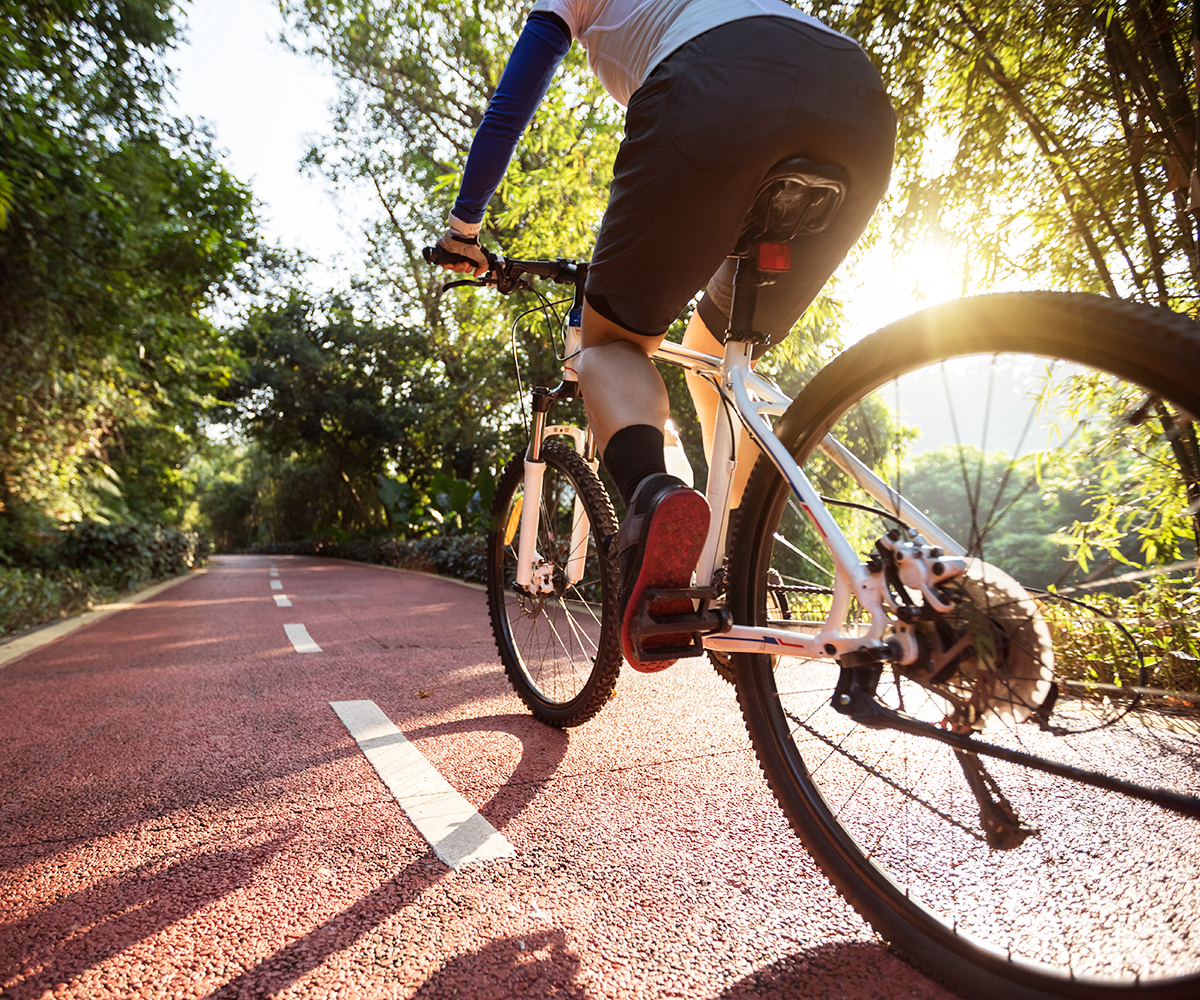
559	639
1055	444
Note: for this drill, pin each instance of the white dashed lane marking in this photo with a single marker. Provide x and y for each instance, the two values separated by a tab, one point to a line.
453	827
274	572
276	585
301	641
281	601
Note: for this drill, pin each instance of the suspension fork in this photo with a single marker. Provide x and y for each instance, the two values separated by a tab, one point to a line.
535	472
535	468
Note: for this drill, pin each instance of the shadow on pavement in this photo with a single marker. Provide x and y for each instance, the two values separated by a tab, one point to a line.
84	928
853	970
544	965
531	965
542	750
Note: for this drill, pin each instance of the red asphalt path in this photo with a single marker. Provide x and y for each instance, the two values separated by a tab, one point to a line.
183	815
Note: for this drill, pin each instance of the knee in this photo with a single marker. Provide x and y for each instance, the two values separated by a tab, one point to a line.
601	361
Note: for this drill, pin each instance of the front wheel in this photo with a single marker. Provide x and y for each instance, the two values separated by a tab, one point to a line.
559	638
1053	438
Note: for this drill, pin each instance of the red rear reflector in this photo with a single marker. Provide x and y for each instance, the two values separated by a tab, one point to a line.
774	256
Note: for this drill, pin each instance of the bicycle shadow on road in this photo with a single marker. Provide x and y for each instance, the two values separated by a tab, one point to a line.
542	751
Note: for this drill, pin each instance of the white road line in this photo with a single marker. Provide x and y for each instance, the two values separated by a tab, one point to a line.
274	572
276	585
300	639
281	601
454	829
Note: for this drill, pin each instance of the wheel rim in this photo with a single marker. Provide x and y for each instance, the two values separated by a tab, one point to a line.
1109	890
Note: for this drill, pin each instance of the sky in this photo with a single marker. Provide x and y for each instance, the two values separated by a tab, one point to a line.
262	101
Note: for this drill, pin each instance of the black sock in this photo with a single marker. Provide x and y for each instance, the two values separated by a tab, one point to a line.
634	453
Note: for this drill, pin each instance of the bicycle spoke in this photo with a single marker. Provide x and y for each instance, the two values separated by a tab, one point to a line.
1044	833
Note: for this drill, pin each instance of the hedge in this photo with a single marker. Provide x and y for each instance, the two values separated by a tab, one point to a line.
128	556
460	556
30	597
91	563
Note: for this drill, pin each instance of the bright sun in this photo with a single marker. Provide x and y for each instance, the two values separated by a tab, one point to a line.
882	285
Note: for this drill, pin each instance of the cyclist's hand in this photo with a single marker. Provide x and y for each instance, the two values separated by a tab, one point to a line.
465	246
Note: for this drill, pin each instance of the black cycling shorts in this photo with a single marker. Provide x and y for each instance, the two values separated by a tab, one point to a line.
700	135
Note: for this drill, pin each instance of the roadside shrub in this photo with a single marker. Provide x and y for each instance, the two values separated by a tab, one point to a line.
128	556
91	563
1161	618
461	556
30	597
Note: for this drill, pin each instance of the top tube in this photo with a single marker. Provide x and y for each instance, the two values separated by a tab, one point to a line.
685	357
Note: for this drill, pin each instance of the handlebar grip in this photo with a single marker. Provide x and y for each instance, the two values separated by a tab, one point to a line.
438	255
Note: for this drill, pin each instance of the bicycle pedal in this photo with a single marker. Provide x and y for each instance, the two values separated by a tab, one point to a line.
694	624
680	594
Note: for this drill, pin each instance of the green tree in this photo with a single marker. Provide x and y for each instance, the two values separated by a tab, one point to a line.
120	228
357	404
416	78
1052	142
1003	508
1051	139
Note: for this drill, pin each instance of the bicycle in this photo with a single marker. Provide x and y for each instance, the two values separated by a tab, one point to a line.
1011	826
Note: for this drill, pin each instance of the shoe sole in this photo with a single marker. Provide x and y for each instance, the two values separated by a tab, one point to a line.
674	539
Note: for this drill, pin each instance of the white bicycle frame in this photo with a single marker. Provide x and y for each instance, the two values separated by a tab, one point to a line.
754	401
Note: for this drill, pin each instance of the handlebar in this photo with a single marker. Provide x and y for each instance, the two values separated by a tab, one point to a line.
505	273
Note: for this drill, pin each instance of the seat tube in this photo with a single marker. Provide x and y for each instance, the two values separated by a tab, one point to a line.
739	349
722	464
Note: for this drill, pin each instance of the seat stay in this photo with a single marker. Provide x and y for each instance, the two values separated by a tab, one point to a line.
847	564
887	497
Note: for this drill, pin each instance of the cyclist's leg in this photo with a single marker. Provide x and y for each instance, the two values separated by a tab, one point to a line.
620	384
687	173
664	529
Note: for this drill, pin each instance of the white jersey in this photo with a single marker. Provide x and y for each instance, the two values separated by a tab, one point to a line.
626	39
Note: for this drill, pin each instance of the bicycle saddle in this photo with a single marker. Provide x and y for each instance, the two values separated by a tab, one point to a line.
796	197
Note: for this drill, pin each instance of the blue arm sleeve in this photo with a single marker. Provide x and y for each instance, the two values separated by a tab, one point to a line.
540	48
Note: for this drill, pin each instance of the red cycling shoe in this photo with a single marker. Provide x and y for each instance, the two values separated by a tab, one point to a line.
658	545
